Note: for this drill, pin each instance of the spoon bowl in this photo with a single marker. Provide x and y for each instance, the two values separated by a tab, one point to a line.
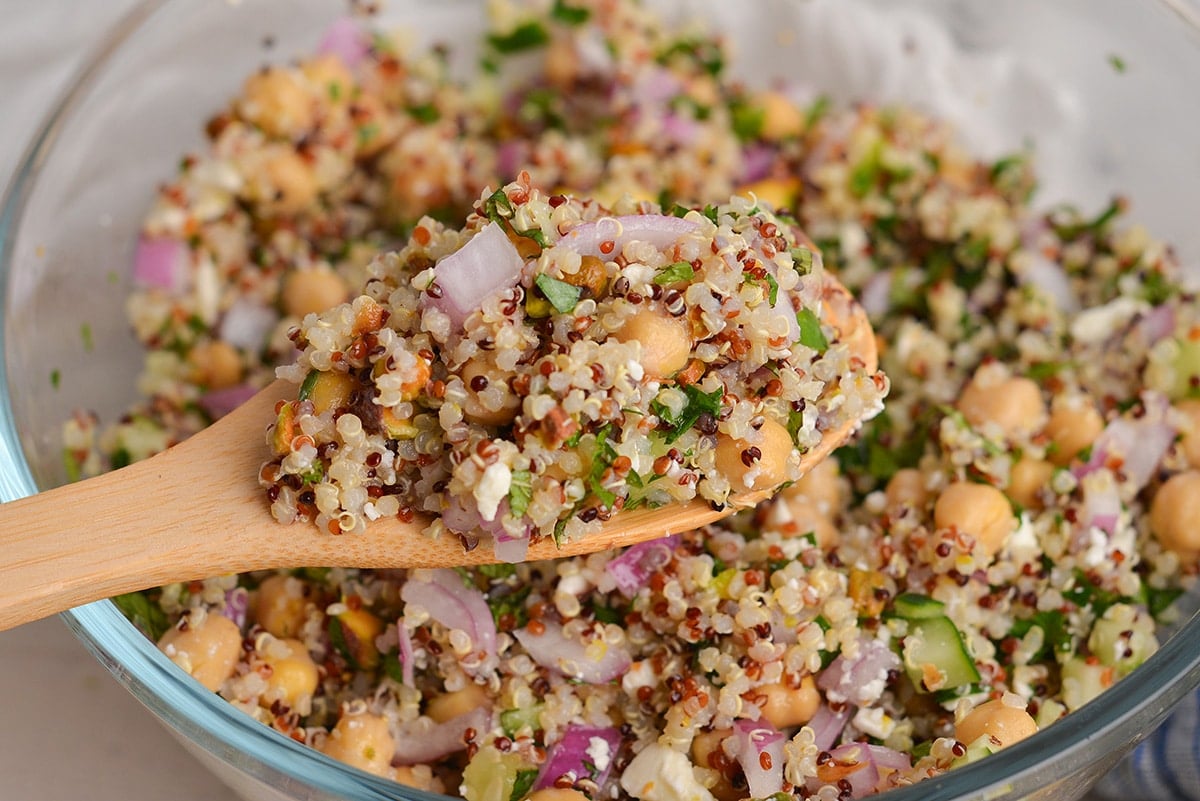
196	510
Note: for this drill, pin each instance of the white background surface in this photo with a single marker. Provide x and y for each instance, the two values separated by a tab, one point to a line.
67	730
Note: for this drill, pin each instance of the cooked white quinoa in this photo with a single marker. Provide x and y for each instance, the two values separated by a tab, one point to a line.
997	547
555	362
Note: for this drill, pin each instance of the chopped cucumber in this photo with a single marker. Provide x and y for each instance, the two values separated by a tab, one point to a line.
975	752
492	775
1123	638
1048	712
514	720
912	606
935	656
1083	680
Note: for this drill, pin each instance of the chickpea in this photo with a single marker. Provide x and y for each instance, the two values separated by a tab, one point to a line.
450	705
278	102
557	794
906	487
294	676
474	408
331	78
805	518
418	776
1174	512
666	341
819	487
781	117
278	605
591	277
757	462
1026	481
1190	443
778	193
1004	724
293	186
215	364
1071	428
560	64
707	753
976	509
207	646
312	291
362	740
790	706
1012	404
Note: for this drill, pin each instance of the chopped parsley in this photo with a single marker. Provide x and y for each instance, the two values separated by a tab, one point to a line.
147	615
425	112
85	333
1053	623
603	457
523	783
519	492
562	296
510	604
706	54
571	15
55	378
811	335
310	383
698	402
525	36
679	271
1117	63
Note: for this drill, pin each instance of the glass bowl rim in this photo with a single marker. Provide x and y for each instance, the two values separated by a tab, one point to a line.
221	729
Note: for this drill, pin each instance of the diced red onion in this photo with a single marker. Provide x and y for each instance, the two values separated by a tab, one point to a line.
511	156
876	295
660	230
405	655
1157	324
679	129
889	758
347	40
419	742
827	725
223	401
554	650
633	568
854	764
1139	444
579	747
757	160
453	604
1050	278
655	86
860	680
758	748
160	262
1101	509
487	264
237	601
508	548
246	324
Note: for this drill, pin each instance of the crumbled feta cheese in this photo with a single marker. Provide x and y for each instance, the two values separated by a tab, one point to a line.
875	722
492	488
660	773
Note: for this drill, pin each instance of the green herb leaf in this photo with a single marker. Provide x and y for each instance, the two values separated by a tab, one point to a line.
562	296
500	571
698	402
519	492
337	638
811	335
426	113
571	15
85	333
525	36
606	614
523	783
710	211
143	613
1117	63
498	208
606	496
310	382
511	604
55	378
773	289
747	121
392	666
679	271
1053	623
802	259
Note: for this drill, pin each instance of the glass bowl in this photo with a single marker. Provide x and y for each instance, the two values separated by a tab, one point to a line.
1105	90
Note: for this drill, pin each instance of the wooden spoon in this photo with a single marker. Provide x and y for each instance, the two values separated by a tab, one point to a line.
196	510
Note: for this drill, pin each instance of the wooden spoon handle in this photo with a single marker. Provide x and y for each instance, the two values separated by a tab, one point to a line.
174	517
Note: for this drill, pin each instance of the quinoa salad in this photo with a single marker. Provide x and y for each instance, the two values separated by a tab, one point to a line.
999	545
554	362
